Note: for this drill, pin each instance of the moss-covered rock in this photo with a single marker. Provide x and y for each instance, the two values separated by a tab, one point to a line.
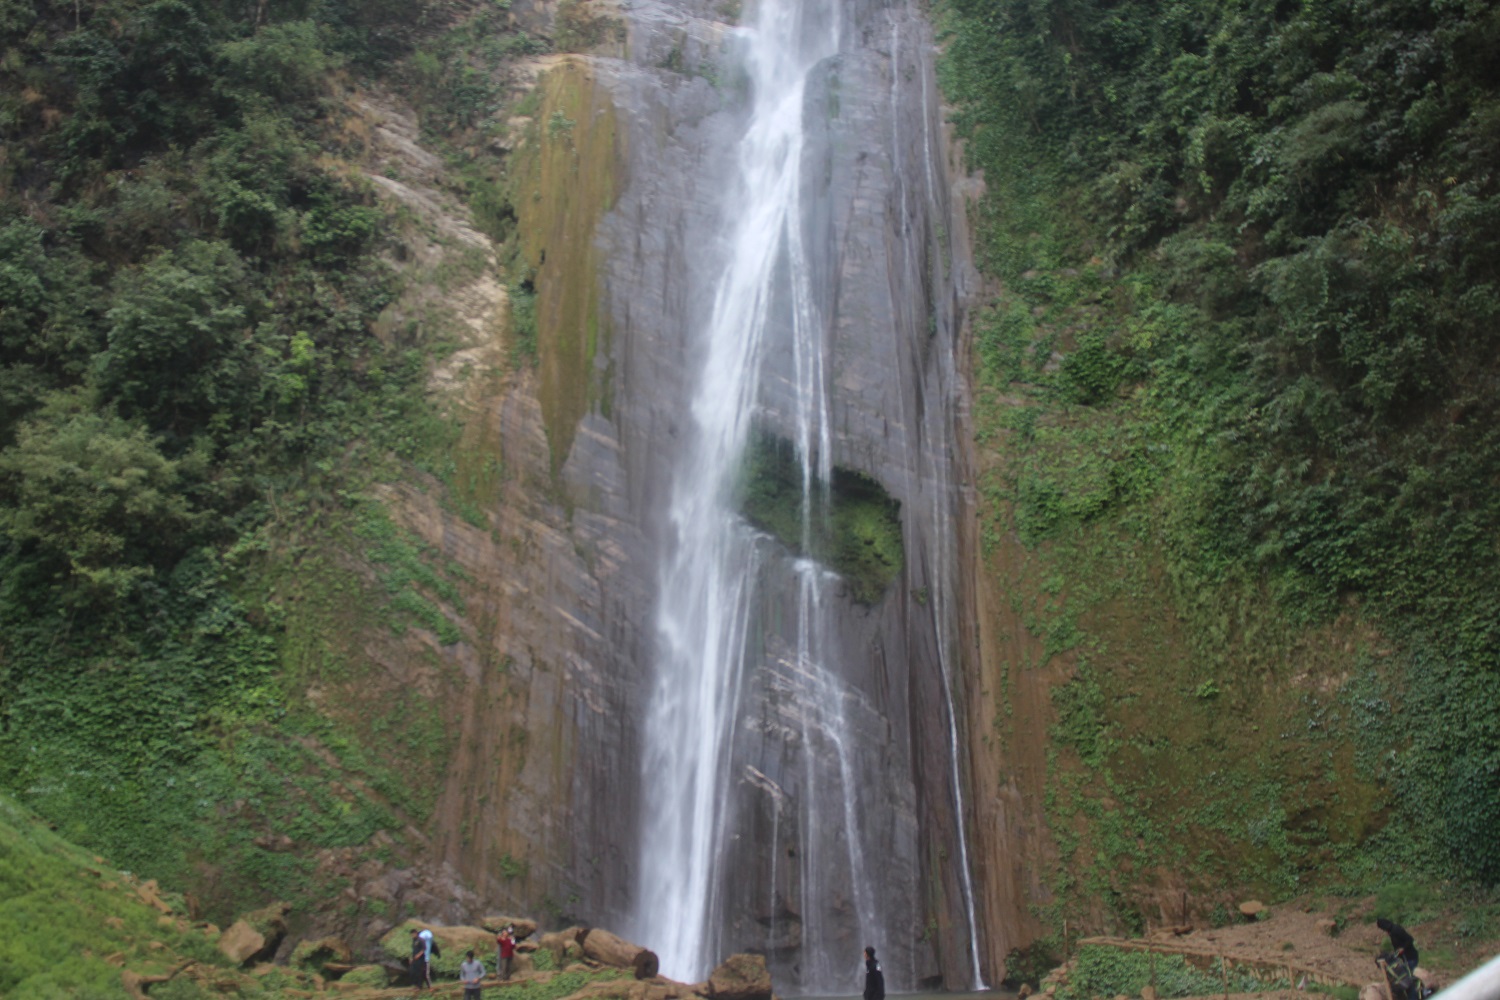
452	942
853	525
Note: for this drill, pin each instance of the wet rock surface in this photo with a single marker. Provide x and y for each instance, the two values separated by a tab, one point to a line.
544	695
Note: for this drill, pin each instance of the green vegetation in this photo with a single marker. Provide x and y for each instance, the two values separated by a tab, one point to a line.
851	523
64	913
1243	417
1102	972
194	408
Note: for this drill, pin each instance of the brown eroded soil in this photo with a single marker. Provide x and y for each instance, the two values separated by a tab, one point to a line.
1296	935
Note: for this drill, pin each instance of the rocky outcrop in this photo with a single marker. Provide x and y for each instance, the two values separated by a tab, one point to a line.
256	936
741	977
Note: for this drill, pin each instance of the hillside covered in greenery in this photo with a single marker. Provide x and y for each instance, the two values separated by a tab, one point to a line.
198	387
1239	389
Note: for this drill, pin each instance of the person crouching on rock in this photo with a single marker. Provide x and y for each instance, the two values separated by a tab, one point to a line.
505	952
471	974
1402	945
874	978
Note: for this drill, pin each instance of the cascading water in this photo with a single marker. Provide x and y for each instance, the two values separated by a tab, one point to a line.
801	776
709	577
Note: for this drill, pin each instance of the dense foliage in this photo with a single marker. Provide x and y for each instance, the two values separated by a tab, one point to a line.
191	270
1251	252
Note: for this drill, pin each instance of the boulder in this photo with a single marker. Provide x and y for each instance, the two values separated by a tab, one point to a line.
520	927
741	977
1372	991
255	936
243	944
1252	909
1329	927
563	945
1024	992
647	965
452	943
315	955
609	949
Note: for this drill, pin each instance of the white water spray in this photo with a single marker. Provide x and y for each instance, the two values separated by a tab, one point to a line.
707	580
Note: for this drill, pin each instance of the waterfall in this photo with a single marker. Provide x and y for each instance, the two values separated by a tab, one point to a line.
708	576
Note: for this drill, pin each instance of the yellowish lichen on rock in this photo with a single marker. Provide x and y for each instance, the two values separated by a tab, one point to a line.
563	181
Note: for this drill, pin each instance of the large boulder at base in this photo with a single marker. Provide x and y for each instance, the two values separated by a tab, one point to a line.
255	936
741	977
608	949
520	927
563	945
647	965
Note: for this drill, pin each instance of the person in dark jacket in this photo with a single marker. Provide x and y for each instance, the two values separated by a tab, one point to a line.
874	978
1402	946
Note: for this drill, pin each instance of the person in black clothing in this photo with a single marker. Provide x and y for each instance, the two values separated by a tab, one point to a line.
874	978
417	967
1402	946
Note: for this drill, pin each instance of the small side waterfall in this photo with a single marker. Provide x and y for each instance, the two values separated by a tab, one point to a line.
708	580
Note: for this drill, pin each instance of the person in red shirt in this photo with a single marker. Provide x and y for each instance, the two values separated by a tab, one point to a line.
505	952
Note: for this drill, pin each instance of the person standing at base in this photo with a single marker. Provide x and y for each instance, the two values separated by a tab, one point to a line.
417	967
874	978
471	974
505	953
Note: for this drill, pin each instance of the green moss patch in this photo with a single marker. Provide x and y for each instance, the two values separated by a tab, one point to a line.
563	181
851	525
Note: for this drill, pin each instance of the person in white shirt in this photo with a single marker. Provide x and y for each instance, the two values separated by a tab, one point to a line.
471	973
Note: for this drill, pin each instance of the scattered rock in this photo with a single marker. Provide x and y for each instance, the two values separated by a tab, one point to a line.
117	959
114	923
1182	929
741	977
255	936
317	954
1329	927
520	927
150	894
563	945
1024	991
1252	909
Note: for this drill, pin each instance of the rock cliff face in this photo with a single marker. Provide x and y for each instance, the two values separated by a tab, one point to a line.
619	189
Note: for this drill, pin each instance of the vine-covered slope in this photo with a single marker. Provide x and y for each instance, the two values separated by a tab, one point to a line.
1238	402
205	370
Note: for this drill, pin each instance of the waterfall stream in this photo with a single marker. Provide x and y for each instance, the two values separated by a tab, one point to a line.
708	581
778	742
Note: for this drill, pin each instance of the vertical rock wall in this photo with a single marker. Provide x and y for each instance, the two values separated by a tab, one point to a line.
622	218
